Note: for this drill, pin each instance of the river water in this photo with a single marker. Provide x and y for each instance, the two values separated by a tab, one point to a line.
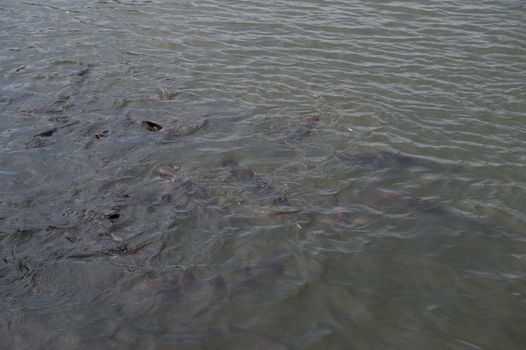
262	175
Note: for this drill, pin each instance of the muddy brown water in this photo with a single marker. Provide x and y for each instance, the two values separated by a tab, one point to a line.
391	134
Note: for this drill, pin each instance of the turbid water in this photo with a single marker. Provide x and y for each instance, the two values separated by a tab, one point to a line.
262	175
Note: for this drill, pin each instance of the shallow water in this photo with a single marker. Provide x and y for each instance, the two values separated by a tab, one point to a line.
395	221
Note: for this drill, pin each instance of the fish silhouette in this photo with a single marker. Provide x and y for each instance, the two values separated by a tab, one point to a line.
254	182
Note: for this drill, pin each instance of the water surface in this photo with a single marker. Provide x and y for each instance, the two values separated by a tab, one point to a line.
378	197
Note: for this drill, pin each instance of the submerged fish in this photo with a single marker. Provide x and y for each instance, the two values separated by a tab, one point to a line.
341	218
302	131
380	198
183	286
254	182
171	174
381	158
164	94
182	131
168	173
81	74
174	132
197	190
95	234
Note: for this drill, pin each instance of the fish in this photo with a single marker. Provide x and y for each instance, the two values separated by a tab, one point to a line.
84	69
152	126
302	131
80	75
209	292
94	232
164	94
171	174
386	199
340	216
254	182
100	135
46	133
180	132
13	97
174	132
173	285
41	139
264	272
197	190
381	158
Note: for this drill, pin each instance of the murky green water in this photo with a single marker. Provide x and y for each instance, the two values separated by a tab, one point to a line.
329	174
